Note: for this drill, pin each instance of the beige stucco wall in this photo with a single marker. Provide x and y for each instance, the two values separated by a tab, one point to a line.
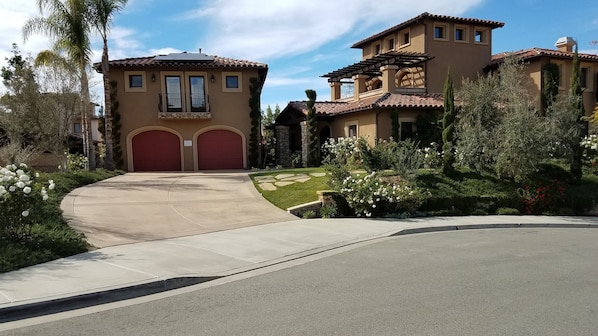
139	110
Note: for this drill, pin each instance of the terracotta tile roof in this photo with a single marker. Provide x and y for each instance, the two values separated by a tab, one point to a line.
149	61
388	100
424	100
442	18
527	54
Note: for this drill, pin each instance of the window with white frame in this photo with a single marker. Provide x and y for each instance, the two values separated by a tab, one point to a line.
183	91
351	129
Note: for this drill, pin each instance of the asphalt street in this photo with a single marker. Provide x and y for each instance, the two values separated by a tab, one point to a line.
523	281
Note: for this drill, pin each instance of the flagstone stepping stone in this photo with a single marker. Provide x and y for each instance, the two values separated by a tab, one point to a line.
261	178
267	186
269	180
318	174
283	176
282	184
303	179
293	178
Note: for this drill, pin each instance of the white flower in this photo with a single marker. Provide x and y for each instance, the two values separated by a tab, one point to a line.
20	185
27	190
22	165
24	178
45	197
12	188
25	213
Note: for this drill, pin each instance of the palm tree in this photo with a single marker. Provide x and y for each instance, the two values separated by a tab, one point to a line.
68	25
102	12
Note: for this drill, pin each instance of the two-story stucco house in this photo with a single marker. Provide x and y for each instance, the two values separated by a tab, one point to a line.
402	68
184	111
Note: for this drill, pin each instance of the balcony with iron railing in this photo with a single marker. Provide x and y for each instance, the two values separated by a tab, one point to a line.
173	106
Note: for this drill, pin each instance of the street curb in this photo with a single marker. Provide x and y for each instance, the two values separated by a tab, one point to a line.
41	308
428	229
29	310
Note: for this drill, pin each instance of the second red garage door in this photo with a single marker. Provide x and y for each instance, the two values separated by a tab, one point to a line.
219	149
156	151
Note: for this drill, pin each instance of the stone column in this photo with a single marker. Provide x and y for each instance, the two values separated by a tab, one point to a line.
359	85
304	143
335	91
389	73
283	152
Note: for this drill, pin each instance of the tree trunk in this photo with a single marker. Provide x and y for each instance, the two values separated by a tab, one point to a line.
89	113
109	161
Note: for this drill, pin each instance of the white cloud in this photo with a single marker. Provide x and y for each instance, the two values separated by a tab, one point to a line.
164	51
242	28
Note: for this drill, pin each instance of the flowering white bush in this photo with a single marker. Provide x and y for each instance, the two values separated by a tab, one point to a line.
432	156
369	195
21	199
342	150
589	144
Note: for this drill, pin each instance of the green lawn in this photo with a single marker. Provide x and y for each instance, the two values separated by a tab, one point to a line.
296	193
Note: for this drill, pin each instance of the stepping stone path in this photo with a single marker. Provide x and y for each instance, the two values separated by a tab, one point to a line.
272	182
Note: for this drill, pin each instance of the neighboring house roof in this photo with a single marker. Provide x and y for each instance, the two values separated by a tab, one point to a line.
210	63
441	18
371	66
387	100
531	53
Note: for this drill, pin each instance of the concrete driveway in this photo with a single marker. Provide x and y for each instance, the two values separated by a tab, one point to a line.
138	207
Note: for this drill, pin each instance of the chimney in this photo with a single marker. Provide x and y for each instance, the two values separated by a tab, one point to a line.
565	43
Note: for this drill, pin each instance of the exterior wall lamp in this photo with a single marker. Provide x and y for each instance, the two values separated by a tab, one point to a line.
212	79
153	77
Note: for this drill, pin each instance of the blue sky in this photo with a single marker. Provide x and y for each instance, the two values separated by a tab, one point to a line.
302	39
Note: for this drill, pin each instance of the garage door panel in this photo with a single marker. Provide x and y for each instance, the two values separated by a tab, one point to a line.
156	151
219	149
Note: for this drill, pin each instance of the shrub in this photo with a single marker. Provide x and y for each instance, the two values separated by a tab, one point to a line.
370	196
544	197
328	211
309	214
21	198
508	211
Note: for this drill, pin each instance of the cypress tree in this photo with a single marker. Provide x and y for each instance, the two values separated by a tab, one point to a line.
312	129
550	84
448	125
255	116
576	92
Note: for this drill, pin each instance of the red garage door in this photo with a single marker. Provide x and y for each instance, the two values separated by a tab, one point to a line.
219	149
156	151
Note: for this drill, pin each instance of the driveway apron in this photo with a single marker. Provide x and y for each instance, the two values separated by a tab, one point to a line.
138	207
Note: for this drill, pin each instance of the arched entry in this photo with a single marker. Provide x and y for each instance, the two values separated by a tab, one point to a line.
156	150
219	149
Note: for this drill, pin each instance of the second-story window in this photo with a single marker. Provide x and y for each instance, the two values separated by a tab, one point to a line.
391	44
480	36
77	128
460	34
406	38
439	33
232	82
197	93
377	49
174	100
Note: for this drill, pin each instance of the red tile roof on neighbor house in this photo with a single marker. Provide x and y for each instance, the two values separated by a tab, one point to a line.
527	54
441	18
150	61
388	100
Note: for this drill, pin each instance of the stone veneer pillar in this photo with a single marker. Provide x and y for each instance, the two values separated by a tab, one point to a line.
389	73
283	152
304	143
